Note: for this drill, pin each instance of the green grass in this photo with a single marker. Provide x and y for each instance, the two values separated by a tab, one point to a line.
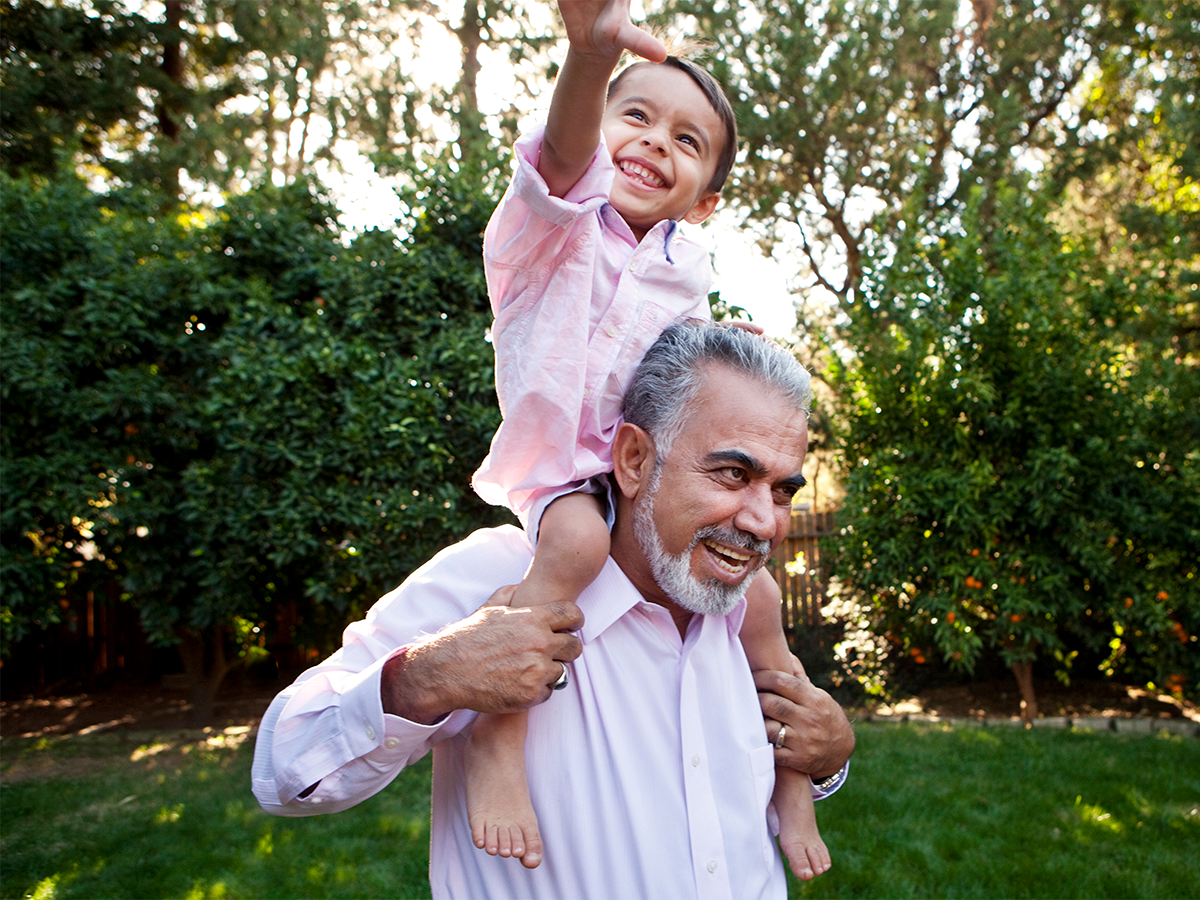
928	812
1003	812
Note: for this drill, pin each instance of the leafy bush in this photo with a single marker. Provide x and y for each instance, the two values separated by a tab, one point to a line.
236	414
1020	456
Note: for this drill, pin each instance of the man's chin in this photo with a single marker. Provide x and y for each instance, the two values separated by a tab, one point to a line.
709	597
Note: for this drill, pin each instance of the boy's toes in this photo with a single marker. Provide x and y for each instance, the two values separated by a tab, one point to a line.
533	851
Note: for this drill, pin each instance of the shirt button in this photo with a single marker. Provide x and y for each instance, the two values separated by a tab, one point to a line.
370	733
611	331
712	865
392	743
695	760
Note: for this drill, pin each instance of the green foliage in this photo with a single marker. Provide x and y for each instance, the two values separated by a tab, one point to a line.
69	78
200	94
236	411
857	114
1020	453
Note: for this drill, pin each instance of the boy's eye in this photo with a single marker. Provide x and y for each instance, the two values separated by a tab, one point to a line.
688	139
636	114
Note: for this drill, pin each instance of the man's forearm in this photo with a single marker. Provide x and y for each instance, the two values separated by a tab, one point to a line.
498	660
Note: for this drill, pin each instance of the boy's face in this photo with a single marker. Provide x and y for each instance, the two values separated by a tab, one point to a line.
665	139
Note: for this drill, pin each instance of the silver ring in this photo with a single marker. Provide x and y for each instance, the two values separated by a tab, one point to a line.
779	737
562	679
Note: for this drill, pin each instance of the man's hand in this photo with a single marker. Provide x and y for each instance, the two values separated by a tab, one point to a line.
819	738
604	28
497	660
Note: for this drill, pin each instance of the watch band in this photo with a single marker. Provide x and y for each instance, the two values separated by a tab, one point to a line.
826	784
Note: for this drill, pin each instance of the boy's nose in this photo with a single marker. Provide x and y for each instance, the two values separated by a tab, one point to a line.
655	140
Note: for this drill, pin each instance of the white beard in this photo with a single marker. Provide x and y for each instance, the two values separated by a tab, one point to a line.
673	572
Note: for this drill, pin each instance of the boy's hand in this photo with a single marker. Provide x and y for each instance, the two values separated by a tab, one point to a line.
603	28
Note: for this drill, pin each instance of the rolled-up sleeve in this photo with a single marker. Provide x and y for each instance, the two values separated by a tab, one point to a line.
325	743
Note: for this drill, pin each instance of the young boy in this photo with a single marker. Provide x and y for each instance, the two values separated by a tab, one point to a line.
585	268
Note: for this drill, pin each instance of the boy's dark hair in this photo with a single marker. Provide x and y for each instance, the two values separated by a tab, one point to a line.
715	94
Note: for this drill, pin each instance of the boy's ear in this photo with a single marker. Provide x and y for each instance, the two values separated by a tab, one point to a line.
633	459
703	209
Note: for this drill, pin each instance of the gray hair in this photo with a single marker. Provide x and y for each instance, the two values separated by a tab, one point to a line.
665	385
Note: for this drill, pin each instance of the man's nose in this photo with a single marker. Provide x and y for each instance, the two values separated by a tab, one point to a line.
757	513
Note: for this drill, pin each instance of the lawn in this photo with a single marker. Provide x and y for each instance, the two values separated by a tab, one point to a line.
929	812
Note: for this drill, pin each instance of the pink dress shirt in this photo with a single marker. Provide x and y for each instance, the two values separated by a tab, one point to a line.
650	773
578	301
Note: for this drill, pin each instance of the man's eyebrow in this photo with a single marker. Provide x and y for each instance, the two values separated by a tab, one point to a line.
753	466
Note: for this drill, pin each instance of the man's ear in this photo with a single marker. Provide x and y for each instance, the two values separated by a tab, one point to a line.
704	208
633	458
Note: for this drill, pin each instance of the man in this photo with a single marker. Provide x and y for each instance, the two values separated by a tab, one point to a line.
650	770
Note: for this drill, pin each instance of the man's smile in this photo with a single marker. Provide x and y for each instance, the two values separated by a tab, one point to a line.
731	560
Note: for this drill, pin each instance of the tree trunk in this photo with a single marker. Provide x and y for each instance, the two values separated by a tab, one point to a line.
472	137
205	664
1029	706
167	107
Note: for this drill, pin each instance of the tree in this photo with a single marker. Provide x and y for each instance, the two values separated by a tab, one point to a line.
225	96
70	82
856	114
236	415
1021	478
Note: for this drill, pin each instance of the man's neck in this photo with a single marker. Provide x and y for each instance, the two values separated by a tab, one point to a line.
627	553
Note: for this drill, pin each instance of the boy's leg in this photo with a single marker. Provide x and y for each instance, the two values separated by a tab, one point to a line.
766	648
573	543
798	834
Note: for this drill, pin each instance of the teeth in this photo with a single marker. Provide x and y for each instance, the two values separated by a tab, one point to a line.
725	554
632	168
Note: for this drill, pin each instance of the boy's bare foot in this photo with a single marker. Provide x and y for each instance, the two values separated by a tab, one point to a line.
501	814
806	853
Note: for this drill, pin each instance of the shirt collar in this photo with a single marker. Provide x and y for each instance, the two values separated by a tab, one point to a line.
612	595
661	235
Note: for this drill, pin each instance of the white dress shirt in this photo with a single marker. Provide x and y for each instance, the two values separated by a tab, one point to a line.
650	773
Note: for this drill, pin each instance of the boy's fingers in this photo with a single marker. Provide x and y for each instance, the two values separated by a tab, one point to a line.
502	597
641	43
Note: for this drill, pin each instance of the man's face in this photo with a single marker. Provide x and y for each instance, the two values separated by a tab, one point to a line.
665	139
721	501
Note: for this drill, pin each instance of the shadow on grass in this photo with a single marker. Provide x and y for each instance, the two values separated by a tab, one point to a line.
929	812
174	817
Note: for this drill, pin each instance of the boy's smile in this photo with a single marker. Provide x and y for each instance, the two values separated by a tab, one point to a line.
665	139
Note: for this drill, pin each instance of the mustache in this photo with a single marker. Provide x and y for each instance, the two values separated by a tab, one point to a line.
732	537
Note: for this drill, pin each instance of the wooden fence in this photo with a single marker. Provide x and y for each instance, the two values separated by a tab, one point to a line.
803	587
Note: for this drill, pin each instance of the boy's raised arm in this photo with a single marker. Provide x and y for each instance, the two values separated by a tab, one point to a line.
598	32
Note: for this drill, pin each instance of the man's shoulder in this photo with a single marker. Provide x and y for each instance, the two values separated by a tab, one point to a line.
487	545
460	578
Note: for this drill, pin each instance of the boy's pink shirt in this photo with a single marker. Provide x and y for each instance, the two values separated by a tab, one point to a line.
578	301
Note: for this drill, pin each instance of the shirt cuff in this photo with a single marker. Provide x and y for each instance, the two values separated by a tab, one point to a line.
827	790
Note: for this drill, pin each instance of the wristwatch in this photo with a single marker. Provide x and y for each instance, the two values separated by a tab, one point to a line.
825	784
